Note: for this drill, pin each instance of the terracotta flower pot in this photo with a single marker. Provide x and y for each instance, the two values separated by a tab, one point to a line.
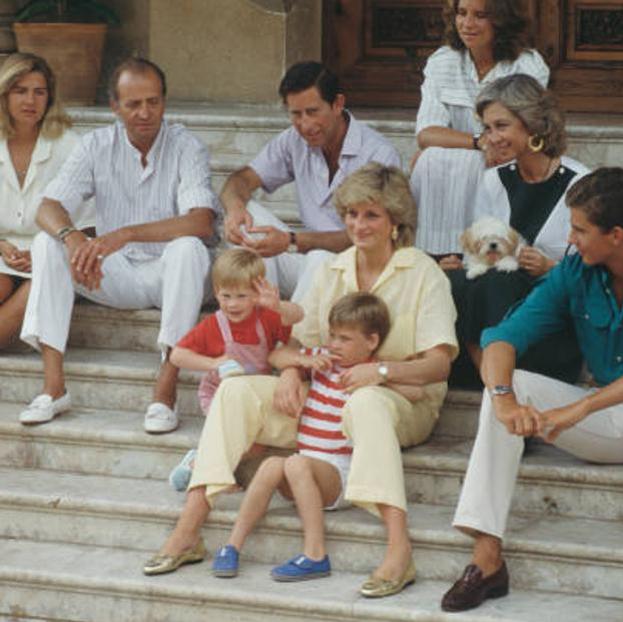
74	51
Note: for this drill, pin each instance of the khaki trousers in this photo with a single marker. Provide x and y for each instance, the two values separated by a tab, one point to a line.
377	420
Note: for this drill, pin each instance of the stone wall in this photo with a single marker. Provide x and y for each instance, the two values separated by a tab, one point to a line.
219	50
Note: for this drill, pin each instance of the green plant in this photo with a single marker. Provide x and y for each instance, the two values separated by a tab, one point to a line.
77	11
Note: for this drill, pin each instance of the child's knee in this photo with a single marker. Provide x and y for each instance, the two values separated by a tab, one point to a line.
297	466
272	467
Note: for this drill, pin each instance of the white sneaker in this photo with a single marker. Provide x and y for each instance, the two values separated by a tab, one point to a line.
43	409
159	419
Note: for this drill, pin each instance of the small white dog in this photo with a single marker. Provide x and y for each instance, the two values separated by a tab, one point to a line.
490	243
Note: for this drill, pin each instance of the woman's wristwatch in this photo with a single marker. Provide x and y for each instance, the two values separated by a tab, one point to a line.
476	141
383	371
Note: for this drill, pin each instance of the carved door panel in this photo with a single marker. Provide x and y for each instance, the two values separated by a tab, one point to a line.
582	41
379	47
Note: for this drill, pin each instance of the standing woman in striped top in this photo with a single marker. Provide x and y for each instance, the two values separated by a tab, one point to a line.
486	40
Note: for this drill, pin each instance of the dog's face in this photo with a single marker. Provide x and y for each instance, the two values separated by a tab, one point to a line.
490	240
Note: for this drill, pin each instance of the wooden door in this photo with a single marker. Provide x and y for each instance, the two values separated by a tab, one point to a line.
379	47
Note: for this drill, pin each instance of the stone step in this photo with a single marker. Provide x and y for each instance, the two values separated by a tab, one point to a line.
109	379
236	133
544	553
47	581
551	483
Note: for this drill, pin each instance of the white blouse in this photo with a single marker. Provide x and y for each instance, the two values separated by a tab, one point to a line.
492	200
451	86
18	206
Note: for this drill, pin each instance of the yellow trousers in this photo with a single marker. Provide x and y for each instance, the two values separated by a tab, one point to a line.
377	420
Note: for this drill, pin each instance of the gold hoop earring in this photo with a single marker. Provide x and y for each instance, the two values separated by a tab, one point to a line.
394	233
536	143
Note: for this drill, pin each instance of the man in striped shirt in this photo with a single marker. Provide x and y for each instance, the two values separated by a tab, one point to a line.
155	213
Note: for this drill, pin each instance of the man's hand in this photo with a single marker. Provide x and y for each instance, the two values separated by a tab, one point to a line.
87	255
14	257
290	393
534	262
518	419
362	375
556	420
235	217
274	241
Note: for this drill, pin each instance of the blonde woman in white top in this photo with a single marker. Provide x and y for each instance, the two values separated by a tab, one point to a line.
34	142
486	40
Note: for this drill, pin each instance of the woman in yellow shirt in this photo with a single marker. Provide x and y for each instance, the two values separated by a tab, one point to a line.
395	400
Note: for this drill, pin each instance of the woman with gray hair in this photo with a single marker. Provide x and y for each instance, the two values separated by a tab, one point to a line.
394	399
523	122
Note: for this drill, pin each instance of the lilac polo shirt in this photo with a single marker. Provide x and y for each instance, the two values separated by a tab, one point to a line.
287	157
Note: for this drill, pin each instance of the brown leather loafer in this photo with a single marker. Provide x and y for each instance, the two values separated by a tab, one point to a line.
472	588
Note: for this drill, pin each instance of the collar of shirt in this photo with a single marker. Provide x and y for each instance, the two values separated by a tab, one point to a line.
353	139
41	153
152	155
346	263
600	302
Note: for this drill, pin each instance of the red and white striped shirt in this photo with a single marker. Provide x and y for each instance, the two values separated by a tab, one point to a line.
321	420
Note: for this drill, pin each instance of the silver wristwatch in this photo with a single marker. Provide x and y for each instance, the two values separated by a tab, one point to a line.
500	389
383	371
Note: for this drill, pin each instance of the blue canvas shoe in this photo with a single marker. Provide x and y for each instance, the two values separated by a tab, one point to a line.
301	568
181	474
225	564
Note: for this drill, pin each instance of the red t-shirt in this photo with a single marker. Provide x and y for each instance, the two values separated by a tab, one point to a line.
206	338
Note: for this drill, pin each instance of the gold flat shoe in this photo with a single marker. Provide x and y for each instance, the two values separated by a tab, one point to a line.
160	564
375	587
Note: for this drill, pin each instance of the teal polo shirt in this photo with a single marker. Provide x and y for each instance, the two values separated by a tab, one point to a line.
571	290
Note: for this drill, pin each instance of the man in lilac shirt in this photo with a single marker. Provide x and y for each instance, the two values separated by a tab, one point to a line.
324	145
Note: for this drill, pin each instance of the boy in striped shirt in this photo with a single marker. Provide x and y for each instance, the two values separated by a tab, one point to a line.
315	477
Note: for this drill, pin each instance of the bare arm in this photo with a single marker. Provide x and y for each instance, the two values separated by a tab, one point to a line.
187	359
290	356
235	195
438	136
556	420
268	297
428	367
498	365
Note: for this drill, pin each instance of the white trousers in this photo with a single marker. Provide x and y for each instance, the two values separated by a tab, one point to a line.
293	273
444	184
487	491
174	282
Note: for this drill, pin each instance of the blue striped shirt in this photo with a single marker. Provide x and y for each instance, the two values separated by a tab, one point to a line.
106	165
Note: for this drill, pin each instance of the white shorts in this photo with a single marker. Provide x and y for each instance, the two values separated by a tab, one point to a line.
341	462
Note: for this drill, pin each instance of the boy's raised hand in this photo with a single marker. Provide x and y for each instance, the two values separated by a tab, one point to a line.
268	294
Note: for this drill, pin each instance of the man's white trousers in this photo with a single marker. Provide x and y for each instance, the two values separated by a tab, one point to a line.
174	282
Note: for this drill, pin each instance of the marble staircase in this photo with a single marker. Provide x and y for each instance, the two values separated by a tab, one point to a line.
84	501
